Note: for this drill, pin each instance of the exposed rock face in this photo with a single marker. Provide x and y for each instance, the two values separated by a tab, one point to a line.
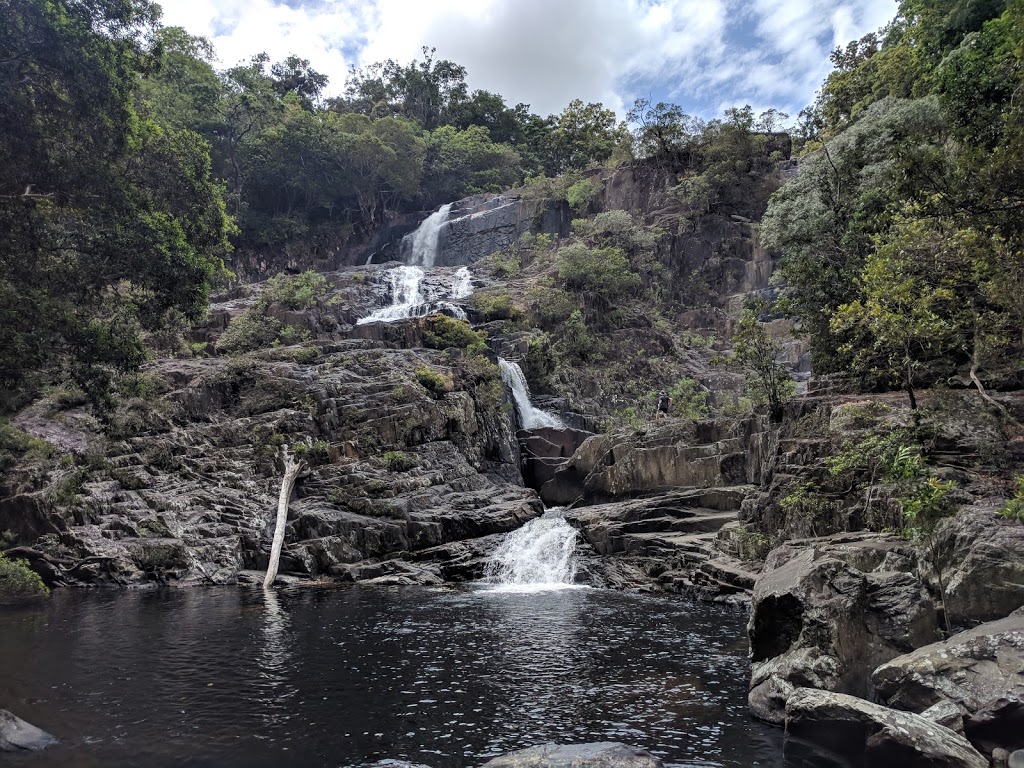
984	575
688	454
545	450
600	755
978	673
850	728
18	736
187	493
482	224
818	621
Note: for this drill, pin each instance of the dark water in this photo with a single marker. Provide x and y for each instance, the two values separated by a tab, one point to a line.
341	677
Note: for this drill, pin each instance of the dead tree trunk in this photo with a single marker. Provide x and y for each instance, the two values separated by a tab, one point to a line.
292	468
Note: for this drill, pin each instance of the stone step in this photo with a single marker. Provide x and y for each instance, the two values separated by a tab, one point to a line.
698	544
729	571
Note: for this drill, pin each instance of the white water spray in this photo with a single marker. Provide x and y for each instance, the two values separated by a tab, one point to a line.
539	556
425	238
407	299
530	416
462	284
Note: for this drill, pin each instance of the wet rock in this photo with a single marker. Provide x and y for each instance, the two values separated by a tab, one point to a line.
607	754
974	679
545	450
18	736
846	728
984	575
719	452
819	622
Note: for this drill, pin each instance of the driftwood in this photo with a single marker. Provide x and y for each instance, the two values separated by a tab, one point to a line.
53	569
292	468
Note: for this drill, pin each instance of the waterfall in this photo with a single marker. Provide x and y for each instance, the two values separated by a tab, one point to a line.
539	556
425	238
462	285
530	416
407	299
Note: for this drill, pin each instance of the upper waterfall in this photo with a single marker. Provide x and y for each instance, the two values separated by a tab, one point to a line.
425	238
530	416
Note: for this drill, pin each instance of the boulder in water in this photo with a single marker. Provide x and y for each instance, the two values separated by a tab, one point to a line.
854	731
16	735
978	674
605	754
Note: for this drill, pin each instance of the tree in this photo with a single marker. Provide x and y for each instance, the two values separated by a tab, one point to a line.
292	468
584	134
756	353
110	221
904	312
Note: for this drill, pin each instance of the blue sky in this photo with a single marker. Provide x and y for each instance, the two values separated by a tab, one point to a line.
704	55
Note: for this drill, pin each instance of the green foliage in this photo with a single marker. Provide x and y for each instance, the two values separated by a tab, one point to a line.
433	381
443	332
809	507
314	453
249	331
577	343
110	220
398	461
18	580
1013	509
296	291
505	265
601	276
16	444
496	305
549	305
755	352
528	241
689	400
580	195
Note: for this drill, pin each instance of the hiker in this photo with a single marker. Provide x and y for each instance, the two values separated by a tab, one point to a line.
664	404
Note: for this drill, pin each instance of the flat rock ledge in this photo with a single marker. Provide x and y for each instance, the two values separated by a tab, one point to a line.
850	729
605	754
18	736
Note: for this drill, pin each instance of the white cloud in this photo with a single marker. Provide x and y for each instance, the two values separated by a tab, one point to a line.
703	54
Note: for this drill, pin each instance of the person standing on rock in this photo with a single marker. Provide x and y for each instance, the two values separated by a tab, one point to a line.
664	404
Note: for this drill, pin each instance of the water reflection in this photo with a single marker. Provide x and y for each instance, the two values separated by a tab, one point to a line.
275	659
233	678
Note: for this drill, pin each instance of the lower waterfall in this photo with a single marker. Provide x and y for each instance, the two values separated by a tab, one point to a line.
540	556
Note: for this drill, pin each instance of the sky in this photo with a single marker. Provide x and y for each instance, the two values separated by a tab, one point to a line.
704	55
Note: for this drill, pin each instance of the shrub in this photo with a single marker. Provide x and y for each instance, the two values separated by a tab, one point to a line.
398	461
580	195
506	265
497	306
296	291
249	331
577	342
689	399
1014	508
550	305
15	443
18	580
314	453
533	242
601	275
433	382
443	332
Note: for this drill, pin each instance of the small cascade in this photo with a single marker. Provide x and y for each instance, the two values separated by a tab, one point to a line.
407	299
462	285
539	556
531	417
425	239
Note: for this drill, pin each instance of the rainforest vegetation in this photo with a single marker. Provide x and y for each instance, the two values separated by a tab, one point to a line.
133	167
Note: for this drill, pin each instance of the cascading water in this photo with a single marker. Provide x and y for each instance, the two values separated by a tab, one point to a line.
407	299
540	556
531	417
462	285
425	238
409	296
